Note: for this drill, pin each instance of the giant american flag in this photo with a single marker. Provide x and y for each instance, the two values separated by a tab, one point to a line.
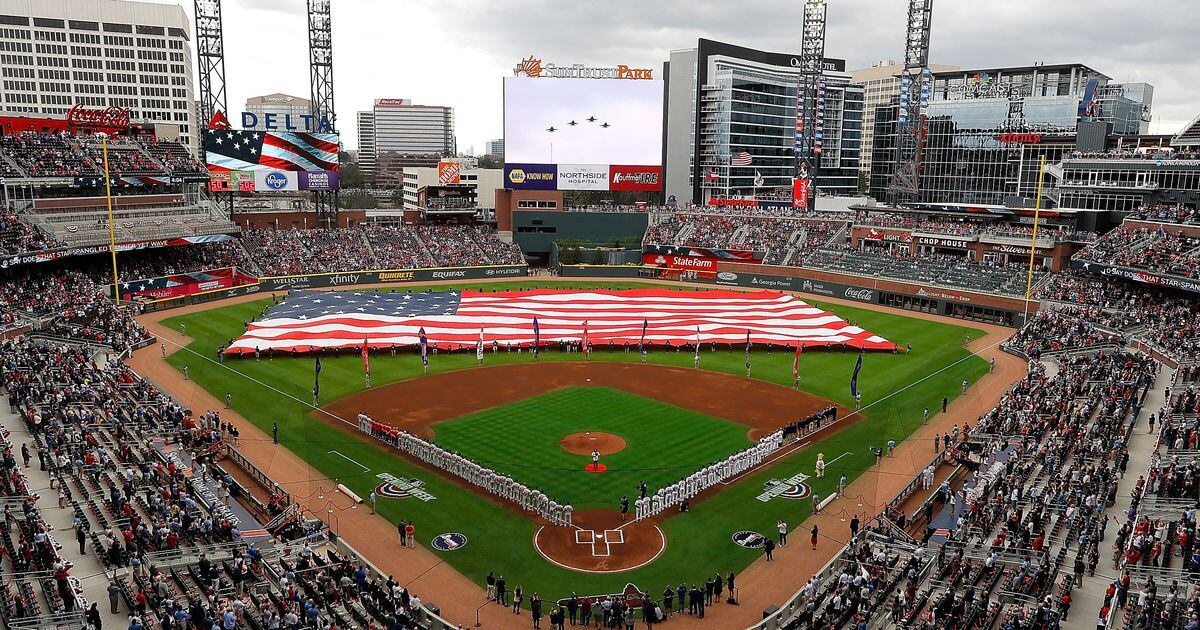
244	150
320	319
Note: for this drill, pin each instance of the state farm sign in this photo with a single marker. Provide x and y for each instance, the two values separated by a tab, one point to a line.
669	261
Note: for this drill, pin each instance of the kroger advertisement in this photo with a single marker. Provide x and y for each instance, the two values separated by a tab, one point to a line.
583	134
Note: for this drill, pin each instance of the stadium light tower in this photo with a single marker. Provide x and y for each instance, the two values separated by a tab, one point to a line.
210	53
915	87
320	63
810	104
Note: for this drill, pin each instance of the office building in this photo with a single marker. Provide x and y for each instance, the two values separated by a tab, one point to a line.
988	129
398	126
97	54
281	107
475	189
495	148
731	124
881	85
366	142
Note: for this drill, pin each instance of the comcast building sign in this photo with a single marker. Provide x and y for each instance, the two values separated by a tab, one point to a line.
532	67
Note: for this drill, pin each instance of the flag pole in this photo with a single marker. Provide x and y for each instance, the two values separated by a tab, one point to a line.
1037	210
112	236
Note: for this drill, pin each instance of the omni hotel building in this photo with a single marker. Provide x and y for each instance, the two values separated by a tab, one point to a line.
988	129
725	102
98	54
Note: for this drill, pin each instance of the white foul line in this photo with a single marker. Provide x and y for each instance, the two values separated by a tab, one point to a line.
365	469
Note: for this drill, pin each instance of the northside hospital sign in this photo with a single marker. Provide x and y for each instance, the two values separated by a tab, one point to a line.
532	67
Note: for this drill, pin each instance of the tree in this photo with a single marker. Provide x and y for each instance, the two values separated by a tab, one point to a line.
351	176
490	161
864	182
598	258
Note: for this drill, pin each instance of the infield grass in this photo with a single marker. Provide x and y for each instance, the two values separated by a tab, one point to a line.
895	388
664	443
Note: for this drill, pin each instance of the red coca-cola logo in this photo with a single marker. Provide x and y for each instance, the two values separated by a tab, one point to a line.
109	118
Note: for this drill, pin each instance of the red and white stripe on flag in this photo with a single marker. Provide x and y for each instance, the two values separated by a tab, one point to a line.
618	315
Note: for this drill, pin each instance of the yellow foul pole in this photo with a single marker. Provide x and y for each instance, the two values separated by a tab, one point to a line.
1037	210
112	236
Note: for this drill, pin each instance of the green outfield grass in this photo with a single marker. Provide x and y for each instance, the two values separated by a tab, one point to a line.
895	388
663	443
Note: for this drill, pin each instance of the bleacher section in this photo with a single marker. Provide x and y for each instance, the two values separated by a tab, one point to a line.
949	271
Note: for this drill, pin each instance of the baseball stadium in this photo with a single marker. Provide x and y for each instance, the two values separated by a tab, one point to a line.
635	365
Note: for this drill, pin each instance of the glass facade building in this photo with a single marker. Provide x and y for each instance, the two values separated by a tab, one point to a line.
988	130
731	124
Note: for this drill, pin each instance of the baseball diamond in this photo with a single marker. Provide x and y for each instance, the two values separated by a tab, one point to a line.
510	417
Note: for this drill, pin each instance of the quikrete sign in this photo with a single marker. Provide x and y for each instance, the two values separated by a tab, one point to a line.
532	67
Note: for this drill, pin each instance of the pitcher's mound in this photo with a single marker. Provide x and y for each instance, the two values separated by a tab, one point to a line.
585	443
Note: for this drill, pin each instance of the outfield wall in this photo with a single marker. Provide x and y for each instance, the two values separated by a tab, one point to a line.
969	305
346	279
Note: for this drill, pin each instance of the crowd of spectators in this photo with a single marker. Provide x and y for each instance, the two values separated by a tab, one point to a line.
774	235
287	252
19	237
62	154
1058	328
177	559
969	228
1168	213
165	261
397	247
1157	250
77	305
174	156
47	155
337	250
1150	153
933	268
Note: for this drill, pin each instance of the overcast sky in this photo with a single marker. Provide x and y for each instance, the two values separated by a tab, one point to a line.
455	52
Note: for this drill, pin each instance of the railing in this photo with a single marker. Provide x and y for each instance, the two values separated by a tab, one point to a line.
257	474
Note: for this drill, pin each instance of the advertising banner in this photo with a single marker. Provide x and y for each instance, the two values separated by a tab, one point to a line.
583	177
531	176
887	235
800	192
1145	277
269	181
397	275
641	178
690	263
790	283
232	181
318	180
180	285
448	173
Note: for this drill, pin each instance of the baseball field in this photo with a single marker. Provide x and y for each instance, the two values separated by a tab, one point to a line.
537	422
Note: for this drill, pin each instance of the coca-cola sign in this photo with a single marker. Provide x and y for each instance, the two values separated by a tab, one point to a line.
113	117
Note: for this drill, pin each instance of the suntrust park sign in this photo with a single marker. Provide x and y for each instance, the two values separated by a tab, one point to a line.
532	67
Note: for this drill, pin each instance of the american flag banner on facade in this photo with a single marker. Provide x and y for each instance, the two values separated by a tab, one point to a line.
237	150
319	319
741	158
